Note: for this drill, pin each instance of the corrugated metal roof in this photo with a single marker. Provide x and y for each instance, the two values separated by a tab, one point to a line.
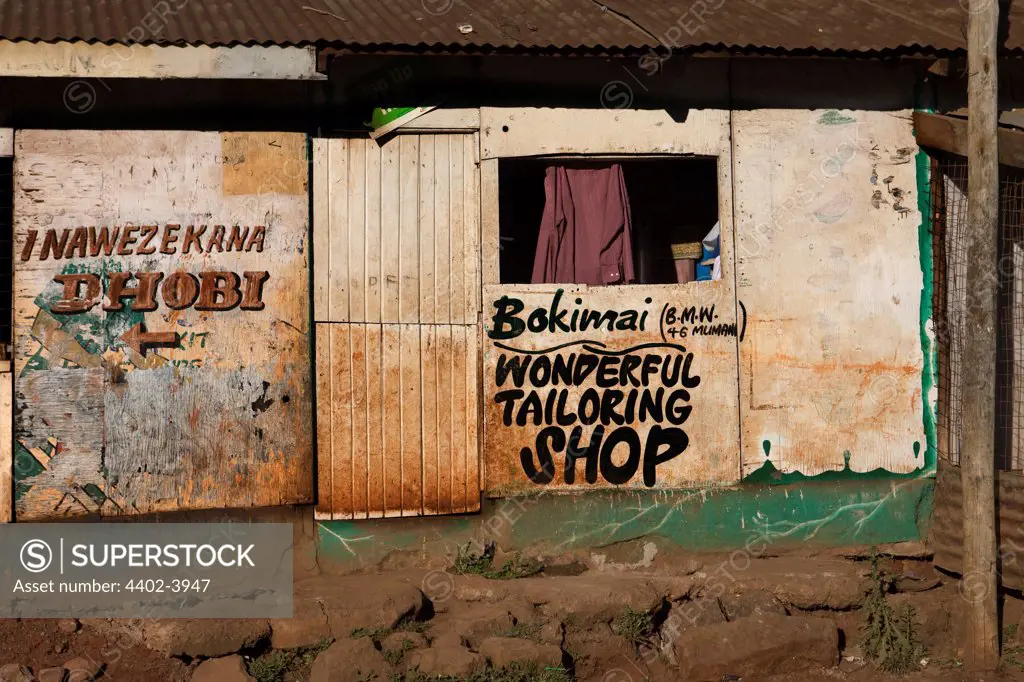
801	25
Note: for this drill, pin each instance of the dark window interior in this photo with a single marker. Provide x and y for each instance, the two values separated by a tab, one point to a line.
672	201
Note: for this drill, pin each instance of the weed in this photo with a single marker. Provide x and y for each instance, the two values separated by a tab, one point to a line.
395	656
522	630
468	562
1013	657
635	626
379	633
274	665
889	639
376	634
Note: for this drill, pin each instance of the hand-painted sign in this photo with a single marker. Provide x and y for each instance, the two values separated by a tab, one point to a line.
629	386
161	322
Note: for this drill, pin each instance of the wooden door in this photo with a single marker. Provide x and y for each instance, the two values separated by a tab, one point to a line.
161	331
396	301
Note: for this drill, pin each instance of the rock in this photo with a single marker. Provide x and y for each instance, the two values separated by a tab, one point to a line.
917	577
352	603
752	603
307	627
349	660
836	592
594	598
598	653
205	637
553	632
52	675
404	641
911	549
501	651
767	644
477	621
13	672
82	669
699	612
473	592
68	625
447	659
226	669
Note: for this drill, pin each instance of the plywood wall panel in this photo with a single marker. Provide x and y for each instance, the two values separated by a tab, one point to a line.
829	271
375	433
339	258
321	228
528	439
408	230
324	418
373	202
391	417
447	426
6	452
213	411
342	431
427	223
433	503
391	202
412	465
685	335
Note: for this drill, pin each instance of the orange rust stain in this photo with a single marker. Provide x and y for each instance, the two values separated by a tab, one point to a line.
791	361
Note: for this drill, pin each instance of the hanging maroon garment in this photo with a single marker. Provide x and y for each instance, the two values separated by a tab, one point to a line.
586	231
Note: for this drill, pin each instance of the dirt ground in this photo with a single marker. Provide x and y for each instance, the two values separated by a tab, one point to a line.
508	619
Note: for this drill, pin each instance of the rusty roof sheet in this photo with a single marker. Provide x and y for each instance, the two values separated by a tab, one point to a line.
786	25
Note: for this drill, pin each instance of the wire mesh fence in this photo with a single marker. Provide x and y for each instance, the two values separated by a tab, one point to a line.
952	298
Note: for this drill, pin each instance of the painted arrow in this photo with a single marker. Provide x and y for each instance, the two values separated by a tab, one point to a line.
138	338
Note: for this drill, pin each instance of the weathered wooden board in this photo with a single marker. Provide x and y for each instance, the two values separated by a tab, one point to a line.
190	388
399	416
401	229
830	272
397	420
508	132
6	452
610	386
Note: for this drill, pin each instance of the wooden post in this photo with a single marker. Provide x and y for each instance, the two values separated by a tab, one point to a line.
977	460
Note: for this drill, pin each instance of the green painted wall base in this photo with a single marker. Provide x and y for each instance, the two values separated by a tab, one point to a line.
808	515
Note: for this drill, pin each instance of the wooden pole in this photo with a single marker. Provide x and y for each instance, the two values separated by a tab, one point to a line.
977	462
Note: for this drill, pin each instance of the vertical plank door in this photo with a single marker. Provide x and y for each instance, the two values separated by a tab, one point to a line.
397	303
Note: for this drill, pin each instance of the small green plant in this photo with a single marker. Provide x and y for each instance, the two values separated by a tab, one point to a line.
274	665
468	562
889	639
395	656
522	630
636	626
1013	656
379	633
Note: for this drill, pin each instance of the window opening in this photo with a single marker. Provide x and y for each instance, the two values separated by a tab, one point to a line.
608	221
